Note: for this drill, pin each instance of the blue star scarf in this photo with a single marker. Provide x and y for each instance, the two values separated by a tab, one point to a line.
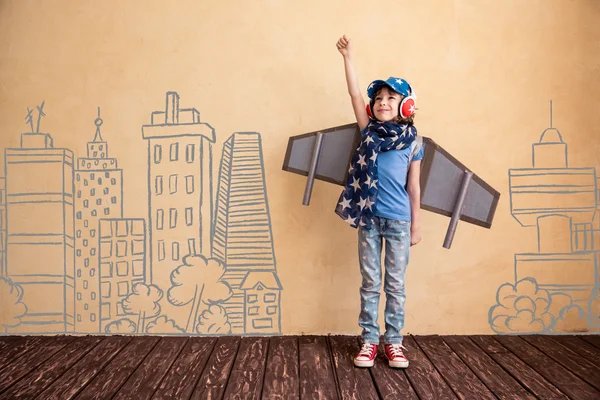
360	192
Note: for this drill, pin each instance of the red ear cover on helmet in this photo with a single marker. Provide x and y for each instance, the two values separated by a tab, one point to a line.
369	112
407	107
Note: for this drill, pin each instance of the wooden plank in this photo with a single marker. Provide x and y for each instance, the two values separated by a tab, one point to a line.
143	382
520	371
317	380
354	383
391	383
69	384
10	338
54	367
494	376
583	348
581	367
22	365
528	377
421	373
488	344
556	374
9	341
461	379
282	370
592	339
20	347
186	370
213	380
249	369
114	375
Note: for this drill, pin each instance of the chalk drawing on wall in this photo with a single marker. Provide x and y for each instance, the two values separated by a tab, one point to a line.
556	288
122	267
2	226
98	195
70	261
243	237
39	236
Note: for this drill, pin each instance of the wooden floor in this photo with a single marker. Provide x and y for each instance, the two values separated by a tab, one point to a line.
306	367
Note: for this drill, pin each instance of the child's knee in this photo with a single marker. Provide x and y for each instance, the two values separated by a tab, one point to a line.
369	285
394	288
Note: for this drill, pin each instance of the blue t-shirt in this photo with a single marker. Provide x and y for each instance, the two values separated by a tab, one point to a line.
392	198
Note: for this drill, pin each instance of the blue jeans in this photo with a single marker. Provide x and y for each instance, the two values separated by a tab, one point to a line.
397	249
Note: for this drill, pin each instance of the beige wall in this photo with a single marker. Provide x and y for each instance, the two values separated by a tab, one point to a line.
484	71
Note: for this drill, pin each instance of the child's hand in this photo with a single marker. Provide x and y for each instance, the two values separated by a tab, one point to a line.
415	234
344	46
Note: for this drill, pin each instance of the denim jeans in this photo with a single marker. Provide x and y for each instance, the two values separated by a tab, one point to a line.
397	249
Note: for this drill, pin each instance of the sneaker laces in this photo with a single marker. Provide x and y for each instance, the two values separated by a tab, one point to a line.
396	350
366	350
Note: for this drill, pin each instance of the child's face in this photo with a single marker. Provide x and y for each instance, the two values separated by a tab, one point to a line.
386	105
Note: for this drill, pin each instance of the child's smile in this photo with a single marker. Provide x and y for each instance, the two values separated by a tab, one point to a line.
386	105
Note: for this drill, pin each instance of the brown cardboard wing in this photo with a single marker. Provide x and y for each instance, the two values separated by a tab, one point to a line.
337	147
448	187
441	180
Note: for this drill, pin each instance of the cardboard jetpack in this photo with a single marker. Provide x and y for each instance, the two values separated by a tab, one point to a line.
447	186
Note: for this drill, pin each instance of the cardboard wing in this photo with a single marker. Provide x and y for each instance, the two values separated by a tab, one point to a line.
448	187
335	147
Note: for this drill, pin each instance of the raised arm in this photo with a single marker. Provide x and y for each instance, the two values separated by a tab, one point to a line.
344	46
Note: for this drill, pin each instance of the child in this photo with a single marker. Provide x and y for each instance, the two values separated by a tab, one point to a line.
382	200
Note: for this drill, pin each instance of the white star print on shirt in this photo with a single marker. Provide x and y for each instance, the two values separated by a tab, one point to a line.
368	181
355	184
373	157
374	183
368	140
369	204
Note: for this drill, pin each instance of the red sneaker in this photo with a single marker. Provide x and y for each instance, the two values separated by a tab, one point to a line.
366	355
395	356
